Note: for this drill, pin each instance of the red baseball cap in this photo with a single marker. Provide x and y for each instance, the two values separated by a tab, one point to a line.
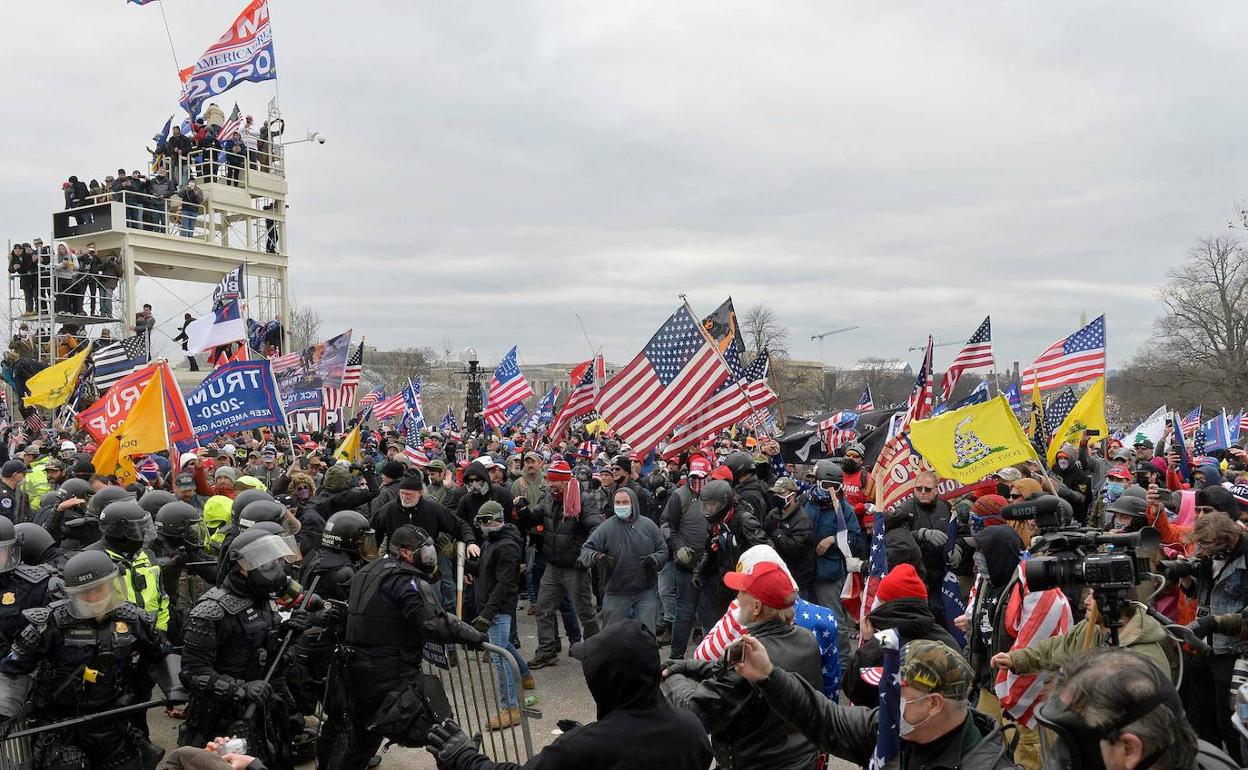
765	581
699	466
723	472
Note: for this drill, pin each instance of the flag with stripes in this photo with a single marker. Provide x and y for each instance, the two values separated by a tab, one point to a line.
1071	360
411	399
865	402
580	402
888	733
919	406
34	423
450	426
1041	615
877	567
1236	425
677	370
115	361
1191	422
508	418
1057	408
1217	433
1184	450
230	127
1243	421
545	411
413	444
838	430
508	386
343	396
391	407
374	396
975	354
898	464
736	399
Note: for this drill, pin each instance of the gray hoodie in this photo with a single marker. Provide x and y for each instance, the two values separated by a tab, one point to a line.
626	542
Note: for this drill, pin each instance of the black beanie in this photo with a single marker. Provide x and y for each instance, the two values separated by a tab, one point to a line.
1218	498
412	481
393	469
625	463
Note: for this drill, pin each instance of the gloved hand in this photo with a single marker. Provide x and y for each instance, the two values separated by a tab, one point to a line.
696	581
650	562
332	615
685	556
567	725
300	620
446	545
449	744
480	623
853	564
690	667
933	537
257	691
1203	626
604	560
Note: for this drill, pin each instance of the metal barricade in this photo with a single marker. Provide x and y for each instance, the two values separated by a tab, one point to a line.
473	689
17	753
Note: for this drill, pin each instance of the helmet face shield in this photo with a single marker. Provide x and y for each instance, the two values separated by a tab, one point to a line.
97	598
264	552
368	546
10	555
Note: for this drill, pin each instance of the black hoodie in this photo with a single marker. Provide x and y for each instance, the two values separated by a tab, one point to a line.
471	502
1001	547
636	729
913	620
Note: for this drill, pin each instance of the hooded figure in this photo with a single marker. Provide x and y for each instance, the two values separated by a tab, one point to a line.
341	492
629	551
636	729
1210	473
1076	481
998	551
476	490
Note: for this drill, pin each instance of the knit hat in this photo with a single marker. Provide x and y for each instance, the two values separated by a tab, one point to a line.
393	469
228	472
437	465
558	471
624	464
902	582
411	482
1027	487
989	507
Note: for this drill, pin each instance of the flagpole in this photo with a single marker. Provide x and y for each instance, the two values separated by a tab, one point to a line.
177	68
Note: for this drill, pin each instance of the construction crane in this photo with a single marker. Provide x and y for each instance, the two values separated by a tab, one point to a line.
935	345
829	334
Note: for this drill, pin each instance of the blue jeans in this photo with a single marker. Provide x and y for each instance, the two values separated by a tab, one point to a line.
446	583
642	606
537	568
500	636
689	611
188	222
667	592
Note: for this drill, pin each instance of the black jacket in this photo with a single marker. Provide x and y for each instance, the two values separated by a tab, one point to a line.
899	543
497	573
913	620
684	525
732	536
793	535
434	519
471	502
754	493
562	537
745	731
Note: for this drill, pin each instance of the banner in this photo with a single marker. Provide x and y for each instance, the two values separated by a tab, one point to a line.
232	286
243	54
237	396
1152	428
223	325
1087	415
302	376
106	415
52	386
970	443
311	420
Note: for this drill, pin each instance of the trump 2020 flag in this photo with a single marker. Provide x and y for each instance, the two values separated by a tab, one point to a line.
231	286
951	590
237	396
223	325
545	410
243	54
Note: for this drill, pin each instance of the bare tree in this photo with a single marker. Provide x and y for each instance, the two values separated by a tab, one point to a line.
392	369
763	330
305	326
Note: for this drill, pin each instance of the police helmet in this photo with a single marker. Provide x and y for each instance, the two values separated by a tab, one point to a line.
125	520
827	470
10	549
93	585
717	498
740	463
258	548
153	499
36	542
75	487
350	532
412	538
177	520
105	496
261	510
245	498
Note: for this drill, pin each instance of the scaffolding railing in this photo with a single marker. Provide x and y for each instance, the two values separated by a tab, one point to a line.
51	306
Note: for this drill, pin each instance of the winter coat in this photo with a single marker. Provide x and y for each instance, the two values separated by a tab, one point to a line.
830	567
754	493
626	542
913	620
899	542
849	732
793	536
1226	592
562	537
684	525
470	502
1141	633
746	733
497	573
726	540
434	519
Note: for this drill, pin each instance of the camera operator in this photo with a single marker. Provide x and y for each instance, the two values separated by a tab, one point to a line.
1116	710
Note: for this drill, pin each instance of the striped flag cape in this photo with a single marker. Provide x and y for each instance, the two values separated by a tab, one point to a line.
343	396
975	354
1039	616
391	407
580	402
1071	360
737	398
865	402
115	361
508	386
895	471
413	445
888	732
677	370
919	406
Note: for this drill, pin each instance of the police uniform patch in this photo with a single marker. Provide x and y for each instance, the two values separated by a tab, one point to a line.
7	502
8	598
121	627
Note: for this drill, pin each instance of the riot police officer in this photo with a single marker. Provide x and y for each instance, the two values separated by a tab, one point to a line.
22	586
186	569
231	638
393	610
153	499
79	656
72	493
260	507
126	529
38	547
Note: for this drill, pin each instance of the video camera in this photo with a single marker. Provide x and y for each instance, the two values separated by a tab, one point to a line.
1046	510
1193	567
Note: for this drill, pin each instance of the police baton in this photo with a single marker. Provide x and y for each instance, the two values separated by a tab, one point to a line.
250	711
459	579
89	718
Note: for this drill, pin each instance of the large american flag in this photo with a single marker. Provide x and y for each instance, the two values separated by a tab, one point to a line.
508	386
1191	422
580	402
737	398
677	370
1045	614
877	567
838	430
1071	360
920	404
115	361
888	734
391	407
34	422
343	396
975	354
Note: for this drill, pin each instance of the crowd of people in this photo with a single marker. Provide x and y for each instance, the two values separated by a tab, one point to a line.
74	282
727	605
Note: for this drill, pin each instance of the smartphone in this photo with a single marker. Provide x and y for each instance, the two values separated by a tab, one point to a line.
735	653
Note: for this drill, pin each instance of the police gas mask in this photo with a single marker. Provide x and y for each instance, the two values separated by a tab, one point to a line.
424	554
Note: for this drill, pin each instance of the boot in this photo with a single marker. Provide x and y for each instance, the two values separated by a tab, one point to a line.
663	634
553	660
506	718
529	683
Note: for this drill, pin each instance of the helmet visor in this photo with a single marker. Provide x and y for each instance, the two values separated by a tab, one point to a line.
10	555
94	599
264	552
368	546
712	508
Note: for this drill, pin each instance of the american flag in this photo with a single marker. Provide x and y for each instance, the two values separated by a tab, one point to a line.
343	396
411	399
838	430
34	423
374	396
877	567
413	445
951	589
1071	360
975	354
1243	421
1057	408
230	126
920	404
888	735
1236	425
580	402
115	361
1181	446
865	403
545	411
506	387
391	407
737	398
450	426
1045	614
676	370
898	460
1191	422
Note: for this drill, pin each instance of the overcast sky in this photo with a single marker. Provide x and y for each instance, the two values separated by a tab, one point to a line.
493	169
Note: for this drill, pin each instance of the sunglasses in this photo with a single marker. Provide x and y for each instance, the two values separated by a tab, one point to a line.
1016	496
924	489
1205	509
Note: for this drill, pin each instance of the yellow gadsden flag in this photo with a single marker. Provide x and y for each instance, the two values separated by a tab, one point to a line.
1088	414
349	449
970	443
54	385
144	431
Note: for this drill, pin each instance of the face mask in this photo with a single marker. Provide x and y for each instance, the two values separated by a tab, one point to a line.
623	511
696	483
304	494
850	466
491	529
478	487
1063	465
904	728
1115	489
820	495
268	580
